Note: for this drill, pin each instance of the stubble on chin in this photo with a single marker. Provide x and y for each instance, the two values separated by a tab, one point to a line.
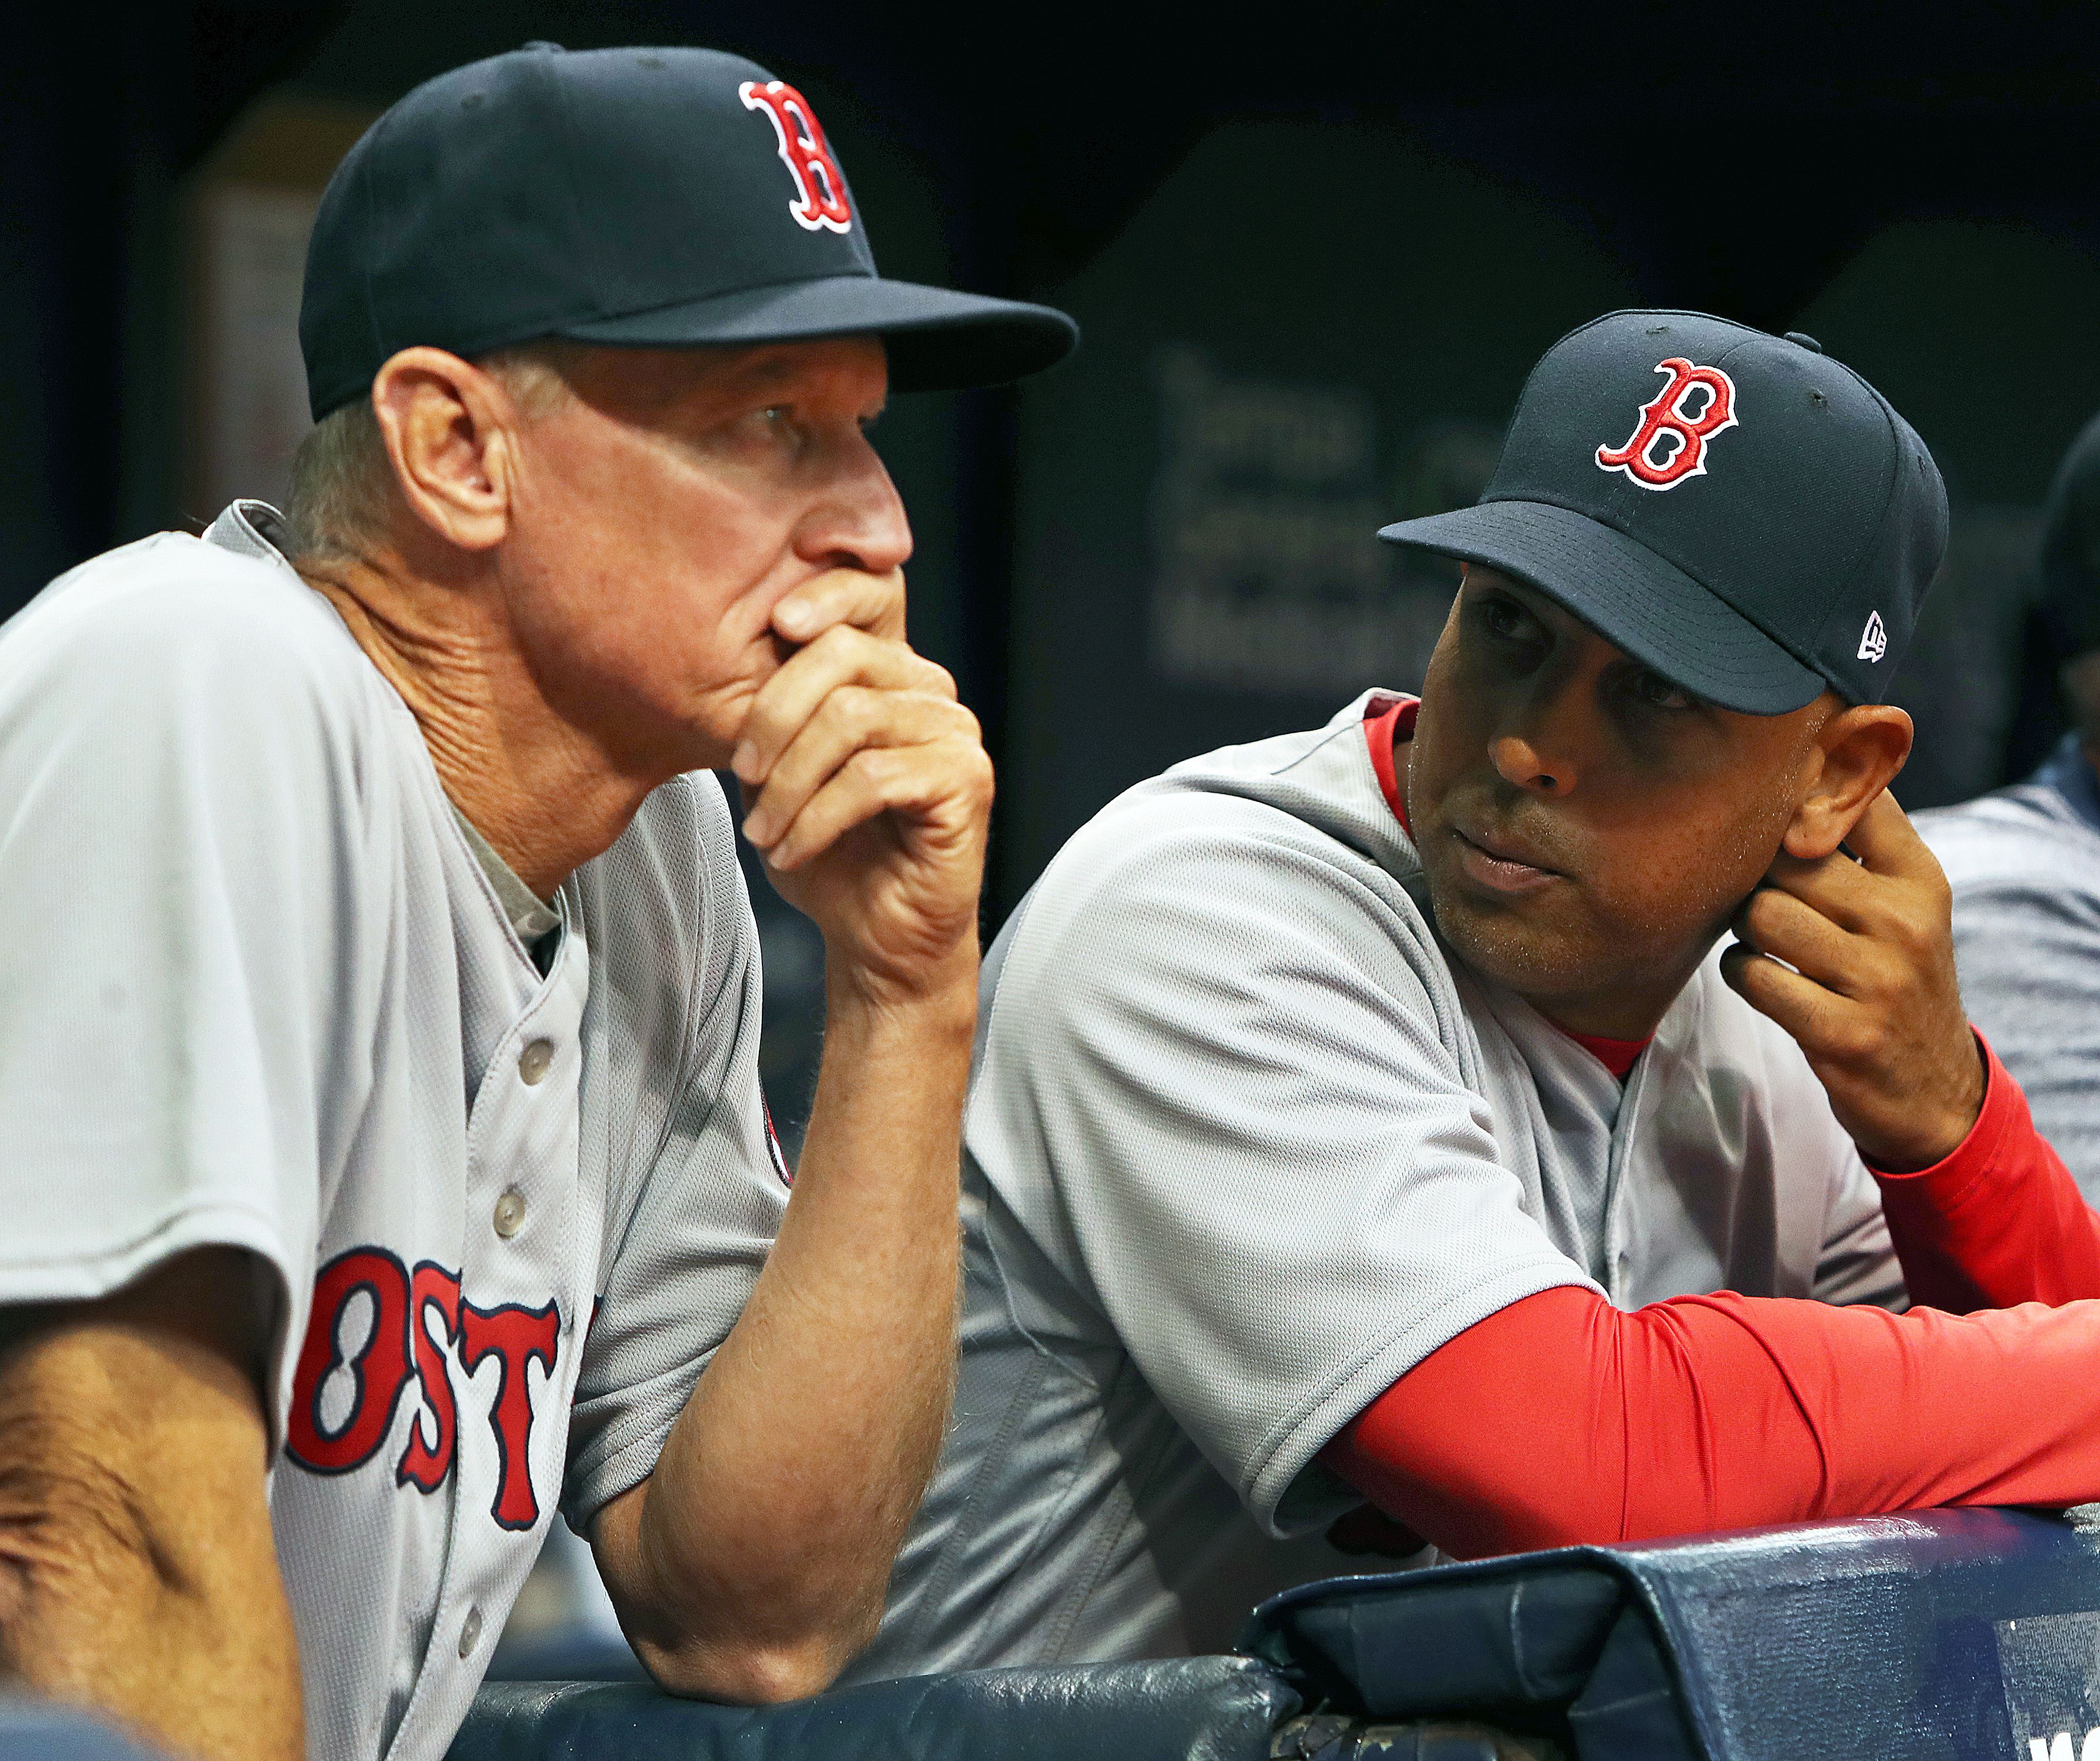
1545	962
1511	954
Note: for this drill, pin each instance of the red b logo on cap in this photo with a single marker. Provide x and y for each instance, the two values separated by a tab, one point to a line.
1668	416
820	187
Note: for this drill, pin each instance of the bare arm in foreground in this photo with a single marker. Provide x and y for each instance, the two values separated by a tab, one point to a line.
137	1571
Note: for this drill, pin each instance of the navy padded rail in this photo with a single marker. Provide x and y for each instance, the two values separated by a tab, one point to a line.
1186	1709
1943	1636
36	1730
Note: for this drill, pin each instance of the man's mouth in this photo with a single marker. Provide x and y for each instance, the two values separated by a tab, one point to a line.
1502	863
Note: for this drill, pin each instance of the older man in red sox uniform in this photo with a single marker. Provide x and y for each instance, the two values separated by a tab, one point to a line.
381	1150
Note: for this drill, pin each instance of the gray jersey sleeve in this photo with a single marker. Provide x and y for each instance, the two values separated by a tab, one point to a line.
1226	1081
178	870
701	1188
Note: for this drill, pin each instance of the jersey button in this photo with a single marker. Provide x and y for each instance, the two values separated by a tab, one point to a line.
470	1632
510	1213
534	1061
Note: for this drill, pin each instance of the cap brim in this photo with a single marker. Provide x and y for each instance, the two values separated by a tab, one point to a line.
1634	599
938	339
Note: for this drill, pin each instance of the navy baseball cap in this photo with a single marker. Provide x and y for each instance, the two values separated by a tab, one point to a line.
644	196
1736	510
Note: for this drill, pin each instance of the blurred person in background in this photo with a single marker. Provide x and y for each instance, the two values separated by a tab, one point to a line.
2024	862
385	1162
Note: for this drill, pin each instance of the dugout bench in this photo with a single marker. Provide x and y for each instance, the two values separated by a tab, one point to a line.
1944	1635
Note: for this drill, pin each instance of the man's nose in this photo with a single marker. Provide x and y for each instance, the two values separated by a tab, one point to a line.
859	521
1539	747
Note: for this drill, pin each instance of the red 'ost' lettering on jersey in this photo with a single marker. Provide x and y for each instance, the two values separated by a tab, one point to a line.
820	185
514	1336
402	1346
1665	417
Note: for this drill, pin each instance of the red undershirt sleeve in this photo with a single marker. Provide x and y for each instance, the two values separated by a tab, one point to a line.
2000	1220
1561	1419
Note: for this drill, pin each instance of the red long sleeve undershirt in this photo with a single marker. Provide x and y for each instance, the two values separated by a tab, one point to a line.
2000	1221
1561	1419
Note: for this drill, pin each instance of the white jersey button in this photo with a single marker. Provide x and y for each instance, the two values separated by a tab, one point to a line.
470	1632
533	1062
510	1213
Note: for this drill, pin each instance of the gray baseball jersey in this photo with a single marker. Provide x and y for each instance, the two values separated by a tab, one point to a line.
2024	864
259	991
1244	1144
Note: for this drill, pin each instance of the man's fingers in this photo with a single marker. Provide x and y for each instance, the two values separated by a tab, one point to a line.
1816	1017
852	596
1835	886
1887	843
1778	924
1903	901
881	779
843	655
1888	848
852	718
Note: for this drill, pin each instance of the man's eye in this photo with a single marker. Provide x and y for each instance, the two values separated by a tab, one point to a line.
775	425
1657	692
1509	622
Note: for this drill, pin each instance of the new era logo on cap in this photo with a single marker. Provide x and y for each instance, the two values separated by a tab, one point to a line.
1874	639
1669	441
820	187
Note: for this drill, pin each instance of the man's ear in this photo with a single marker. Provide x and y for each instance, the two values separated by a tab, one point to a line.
1855	755
450	434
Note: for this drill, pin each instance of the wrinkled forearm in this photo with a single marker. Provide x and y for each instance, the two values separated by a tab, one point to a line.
138	1575
753	1562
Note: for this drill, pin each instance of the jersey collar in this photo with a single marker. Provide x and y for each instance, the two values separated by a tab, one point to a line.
254	529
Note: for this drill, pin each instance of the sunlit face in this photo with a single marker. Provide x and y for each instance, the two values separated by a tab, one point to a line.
1585	828
659	514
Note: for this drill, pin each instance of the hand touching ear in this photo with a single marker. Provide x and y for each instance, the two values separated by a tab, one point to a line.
1855	753
1866	987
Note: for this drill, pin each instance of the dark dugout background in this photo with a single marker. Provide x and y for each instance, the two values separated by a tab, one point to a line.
1313	249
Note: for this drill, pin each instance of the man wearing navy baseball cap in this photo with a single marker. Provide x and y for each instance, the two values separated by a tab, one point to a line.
386	1171
1372	1147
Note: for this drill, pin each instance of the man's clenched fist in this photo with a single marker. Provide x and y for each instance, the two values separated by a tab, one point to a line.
867	788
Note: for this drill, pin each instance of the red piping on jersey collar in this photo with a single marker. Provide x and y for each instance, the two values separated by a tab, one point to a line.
1388	721
1617	1056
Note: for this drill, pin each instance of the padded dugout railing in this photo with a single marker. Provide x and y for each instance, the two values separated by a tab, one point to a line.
1947	1635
